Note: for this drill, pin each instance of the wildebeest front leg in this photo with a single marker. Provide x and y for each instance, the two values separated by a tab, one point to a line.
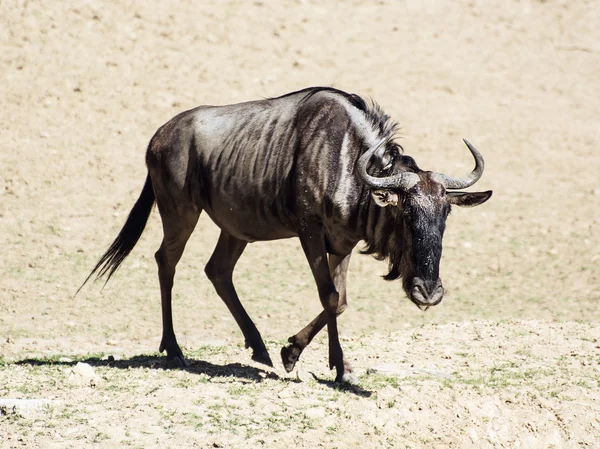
313	243
220	271
338	267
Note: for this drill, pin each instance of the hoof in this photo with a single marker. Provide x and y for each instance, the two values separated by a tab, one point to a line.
175	358
177	361
289	356
262	357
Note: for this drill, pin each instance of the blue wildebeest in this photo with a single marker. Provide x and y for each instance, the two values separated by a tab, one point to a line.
318	164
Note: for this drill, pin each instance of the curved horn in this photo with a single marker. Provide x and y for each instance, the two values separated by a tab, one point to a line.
402	181
458	183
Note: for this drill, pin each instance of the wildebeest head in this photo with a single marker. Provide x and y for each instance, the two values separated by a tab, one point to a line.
420	202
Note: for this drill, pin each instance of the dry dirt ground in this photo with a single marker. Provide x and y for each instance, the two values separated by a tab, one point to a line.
511	358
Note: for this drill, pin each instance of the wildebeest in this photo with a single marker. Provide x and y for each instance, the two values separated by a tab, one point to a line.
318	164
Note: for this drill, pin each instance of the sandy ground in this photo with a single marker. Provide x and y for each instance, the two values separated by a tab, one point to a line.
84	85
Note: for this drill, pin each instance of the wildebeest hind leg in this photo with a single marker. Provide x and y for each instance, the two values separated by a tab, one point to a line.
219	270
178	224
338	267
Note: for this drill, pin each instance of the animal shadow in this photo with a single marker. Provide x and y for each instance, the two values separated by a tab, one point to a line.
237	370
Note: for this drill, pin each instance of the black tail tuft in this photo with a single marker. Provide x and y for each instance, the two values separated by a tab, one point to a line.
127	238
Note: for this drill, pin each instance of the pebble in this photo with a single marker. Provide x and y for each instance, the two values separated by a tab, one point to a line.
315	413
303	375
284	394
405	372
84	370
23	407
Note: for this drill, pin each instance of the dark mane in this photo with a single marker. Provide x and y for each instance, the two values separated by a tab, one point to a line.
387	127
384	244
354	99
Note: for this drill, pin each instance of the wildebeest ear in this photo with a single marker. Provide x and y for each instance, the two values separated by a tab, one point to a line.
385	198
468	199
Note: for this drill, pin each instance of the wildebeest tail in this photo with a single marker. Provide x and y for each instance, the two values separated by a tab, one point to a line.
127	238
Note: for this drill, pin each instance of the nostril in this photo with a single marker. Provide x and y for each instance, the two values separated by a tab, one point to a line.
421	291
437	295
427	290
418	293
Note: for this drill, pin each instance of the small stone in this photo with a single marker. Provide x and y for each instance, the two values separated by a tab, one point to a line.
26	408
473	435
315	413
284	394
84	370
302	375
401	372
